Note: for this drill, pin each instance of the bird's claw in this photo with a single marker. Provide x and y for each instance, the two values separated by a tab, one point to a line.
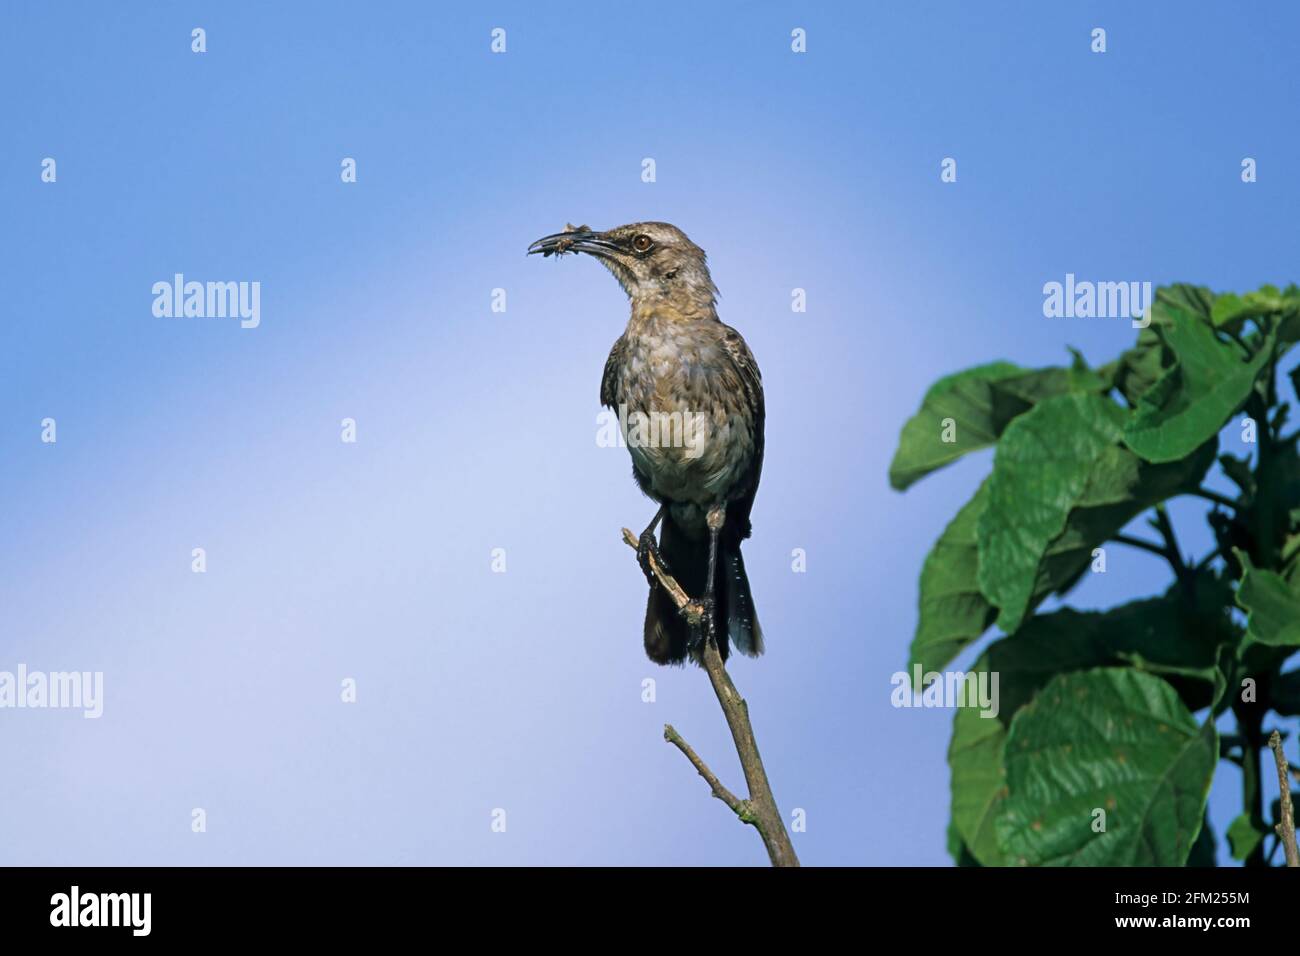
647	546
707	627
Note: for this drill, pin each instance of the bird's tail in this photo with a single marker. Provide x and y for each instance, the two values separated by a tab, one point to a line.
667	634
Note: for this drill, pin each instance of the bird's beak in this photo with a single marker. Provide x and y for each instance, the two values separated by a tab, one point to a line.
580	239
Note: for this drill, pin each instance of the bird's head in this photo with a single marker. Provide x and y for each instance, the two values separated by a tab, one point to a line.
651	260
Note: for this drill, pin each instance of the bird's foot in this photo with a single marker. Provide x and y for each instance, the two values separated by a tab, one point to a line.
647	546
707	628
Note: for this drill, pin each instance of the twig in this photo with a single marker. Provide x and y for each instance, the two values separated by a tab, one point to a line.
760	810
738	806
1166	529
1173	553
1217	498
692	609
1285	828
1204	563
1133	542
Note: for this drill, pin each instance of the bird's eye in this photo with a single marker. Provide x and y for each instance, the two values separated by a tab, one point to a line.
642	243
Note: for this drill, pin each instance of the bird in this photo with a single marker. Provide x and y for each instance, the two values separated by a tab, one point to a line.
679	366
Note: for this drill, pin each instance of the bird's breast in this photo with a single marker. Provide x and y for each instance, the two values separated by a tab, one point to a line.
687	433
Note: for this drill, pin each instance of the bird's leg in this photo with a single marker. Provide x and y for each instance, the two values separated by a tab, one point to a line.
647	545
715	518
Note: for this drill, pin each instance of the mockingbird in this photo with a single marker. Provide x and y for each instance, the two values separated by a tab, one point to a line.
678	363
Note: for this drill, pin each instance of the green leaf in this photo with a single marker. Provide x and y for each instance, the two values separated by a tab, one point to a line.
978	783
1120	488
967	399
979	402
957	849
1272	604
953	609
953	612
1194	300
1163	635
1110	739
1196	396
1044	647
1016	394
1230	311
1040	473
1142	366
1243	837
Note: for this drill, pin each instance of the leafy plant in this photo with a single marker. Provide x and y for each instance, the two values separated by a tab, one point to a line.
1095	756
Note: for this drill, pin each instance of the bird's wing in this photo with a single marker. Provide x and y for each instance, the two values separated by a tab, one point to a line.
609	380
751	386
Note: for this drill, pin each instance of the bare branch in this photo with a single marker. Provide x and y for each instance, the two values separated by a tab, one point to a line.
1217	498
692	609
738	806
1285	828
1173	554
760	810
1133	542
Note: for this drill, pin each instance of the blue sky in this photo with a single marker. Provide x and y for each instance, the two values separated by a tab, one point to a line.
371	560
